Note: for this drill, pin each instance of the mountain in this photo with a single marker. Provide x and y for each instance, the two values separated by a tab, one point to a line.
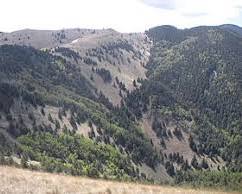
160	106
64	92
112	51
232	28
194	87
42	38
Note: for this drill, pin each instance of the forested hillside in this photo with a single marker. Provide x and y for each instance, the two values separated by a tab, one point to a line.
194	79
47	105
201	68
160	106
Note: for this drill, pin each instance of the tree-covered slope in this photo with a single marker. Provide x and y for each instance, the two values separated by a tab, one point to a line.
47	104
203	69
193	89
86	107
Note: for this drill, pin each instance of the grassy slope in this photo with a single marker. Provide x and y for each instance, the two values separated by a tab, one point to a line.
13	180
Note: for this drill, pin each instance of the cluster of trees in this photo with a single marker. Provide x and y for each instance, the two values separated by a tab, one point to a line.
160	129
6	145
151	94
215	179
114	51
120	44
89	61
97	53
66	52
76	155
104	74
60	36
42	68
11	90
121	85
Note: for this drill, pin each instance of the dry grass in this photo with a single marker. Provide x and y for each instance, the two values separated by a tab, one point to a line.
21	181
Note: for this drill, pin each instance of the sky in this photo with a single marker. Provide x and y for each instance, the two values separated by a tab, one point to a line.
121	15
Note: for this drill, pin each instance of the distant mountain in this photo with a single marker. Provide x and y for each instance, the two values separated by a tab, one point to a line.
41	38
160	106
232	28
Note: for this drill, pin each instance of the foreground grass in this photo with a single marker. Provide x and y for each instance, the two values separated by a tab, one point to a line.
14	180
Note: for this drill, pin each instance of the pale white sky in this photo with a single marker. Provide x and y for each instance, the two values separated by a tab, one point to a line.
121	15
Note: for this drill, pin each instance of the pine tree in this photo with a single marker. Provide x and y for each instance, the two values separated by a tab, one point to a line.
194	162
24	161
134	83
185	166
50	118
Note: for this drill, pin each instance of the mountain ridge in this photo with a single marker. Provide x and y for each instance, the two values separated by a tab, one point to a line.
149	99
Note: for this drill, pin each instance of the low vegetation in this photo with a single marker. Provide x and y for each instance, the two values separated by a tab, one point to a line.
19	181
